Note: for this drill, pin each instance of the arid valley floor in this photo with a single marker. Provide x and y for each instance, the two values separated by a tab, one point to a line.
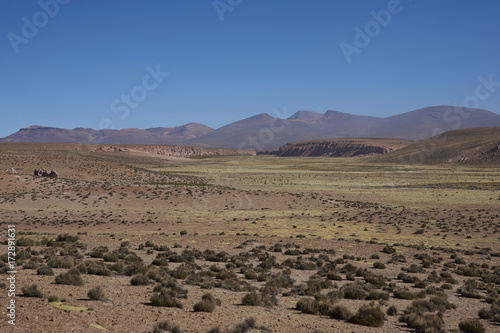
298	244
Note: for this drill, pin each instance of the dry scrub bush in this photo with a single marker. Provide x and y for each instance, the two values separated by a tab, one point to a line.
32	291
96	294
369	315
471	326
71	277
207	304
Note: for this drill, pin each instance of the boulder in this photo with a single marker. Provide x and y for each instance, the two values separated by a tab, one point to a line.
53	174
44	173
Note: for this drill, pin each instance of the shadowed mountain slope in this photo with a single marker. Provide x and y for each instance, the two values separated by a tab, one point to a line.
472	146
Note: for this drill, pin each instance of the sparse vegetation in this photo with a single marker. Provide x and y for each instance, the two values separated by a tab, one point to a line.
207	304
96	293
369	315
32	291
164	326
165	298
424	322
471	326
71	277
251	252
340	312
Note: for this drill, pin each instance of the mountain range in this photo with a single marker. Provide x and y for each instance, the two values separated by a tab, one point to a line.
267	132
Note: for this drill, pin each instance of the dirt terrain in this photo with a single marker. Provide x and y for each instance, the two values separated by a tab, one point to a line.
128	241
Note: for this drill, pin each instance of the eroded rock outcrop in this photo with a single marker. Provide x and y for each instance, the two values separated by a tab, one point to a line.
341	147
45	173
178	151
9	171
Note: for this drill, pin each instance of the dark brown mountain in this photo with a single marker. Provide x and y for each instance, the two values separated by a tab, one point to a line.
266	132
471	146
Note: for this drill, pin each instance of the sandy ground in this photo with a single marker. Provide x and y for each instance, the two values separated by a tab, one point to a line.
107	200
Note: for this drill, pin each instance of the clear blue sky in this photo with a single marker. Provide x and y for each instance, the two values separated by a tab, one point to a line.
264	55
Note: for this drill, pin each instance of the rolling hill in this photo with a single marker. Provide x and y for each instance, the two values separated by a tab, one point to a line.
157	135
472	146
267	132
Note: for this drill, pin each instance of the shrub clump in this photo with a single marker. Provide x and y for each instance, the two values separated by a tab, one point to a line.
252	299
53	298
369	315
164	326
263	298
139	280
354	291
45	270
207	304
96	294
405	293
97	268
32	291
71	277
67	238
389	249
249	324
165	298
492	313
62	262
340	312
424	323
392	311
471	326
307	305
26	241
469	289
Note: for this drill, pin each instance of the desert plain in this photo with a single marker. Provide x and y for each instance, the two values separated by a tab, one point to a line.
129	242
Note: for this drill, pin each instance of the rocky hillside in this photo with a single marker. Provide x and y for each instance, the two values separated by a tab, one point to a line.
472	146
124	150
175	151
342	147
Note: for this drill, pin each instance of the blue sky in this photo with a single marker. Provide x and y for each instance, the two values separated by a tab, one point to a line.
285	55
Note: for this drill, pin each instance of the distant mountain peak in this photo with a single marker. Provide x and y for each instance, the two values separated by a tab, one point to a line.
304	115
333	113
35	127
263	115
